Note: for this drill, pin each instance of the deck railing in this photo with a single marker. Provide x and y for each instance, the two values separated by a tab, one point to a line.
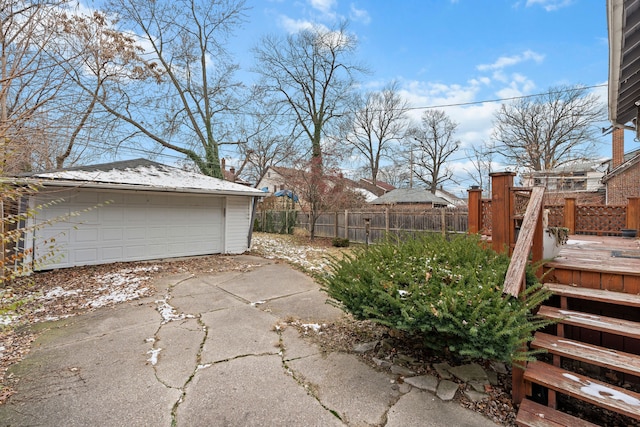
600	220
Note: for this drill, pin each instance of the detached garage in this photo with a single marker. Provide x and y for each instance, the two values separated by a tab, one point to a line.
136	210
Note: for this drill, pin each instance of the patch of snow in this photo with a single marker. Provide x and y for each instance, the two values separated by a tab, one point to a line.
271	248
601	391
571	377
205	366
588	347
154	355
257	303
6	319
313	326
169	313
59	292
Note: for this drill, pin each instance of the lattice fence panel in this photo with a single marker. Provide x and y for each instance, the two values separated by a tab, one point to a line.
486	217
600	220
556	215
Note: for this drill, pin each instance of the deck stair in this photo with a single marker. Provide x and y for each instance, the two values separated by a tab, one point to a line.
572	359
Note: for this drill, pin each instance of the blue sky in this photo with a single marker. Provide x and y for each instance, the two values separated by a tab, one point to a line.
446	52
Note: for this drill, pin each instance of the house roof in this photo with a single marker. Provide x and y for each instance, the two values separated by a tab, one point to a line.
623	167
138	174
623	21
409	195
381	184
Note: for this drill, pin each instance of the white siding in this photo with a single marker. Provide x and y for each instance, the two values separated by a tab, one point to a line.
238	223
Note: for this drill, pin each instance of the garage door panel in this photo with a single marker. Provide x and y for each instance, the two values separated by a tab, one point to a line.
86	255
135	227
116	234
86	235
112	253
112	214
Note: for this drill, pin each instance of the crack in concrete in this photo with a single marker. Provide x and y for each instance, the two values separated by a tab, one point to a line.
168	314
310	388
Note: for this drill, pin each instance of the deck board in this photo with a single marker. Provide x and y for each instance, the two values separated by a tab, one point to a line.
595	253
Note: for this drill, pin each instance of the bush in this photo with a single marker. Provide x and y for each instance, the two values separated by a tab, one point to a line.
340	242
448	291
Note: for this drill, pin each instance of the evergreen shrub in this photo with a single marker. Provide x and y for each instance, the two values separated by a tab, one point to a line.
340	242
447	290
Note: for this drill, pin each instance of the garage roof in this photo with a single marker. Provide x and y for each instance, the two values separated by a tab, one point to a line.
140	174
623	19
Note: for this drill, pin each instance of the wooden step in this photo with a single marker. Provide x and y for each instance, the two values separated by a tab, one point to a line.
599	356
584	388
533	414
592	321
600	295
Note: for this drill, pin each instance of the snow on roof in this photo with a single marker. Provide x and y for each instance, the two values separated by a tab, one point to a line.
144	174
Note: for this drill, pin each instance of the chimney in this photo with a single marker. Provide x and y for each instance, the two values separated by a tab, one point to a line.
232	170
223	164
617	141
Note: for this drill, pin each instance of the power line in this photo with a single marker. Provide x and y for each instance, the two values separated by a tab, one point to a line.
513	98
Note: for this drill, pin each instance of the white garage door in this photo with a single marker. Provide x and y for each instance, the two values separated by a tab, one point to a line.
130	226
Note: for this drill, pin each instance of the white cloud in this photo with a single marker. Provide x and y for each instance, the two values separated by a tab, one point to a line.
359	15
508	61
549	5
295	25
323	6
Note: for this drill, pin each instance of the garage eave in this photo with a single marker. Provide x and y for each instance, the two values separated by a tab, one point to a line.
252	192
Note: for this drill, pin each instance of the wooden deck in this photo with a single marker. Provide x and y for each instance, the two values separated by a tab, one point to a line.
595	252
607	263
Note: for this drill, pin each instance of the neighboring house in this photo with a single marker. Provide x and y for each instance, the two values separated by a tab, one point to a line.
452	199
575	177
231	175
379	188
136	210
275	179
278	179
411	197
622	179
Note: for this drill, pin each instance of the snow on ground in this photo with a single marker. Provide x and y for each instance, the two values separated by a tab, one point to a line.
122	285
277	246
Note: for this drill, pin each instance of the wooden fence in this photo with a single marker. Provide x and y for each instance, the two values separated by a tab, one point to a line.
370	226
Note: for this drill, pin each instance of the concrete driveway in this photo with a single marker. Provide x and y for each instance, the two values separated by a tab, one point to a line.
205	351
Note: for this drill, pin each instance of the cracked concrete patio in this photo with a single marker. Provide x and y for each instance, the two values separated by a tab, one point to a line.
205	351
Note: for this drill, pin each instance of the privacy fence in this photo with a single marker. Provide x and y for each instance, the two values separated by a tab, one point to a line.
370	226
367	225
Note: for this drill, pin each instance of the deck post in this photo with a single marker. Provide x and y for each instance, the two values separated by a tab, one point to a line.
475	210
502	234
570	214
633	213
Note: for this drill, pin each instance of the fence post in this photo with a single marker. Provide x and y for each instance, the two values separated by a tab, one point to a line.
633	213
443	221
386	220
475	209
335	224
570	214
346	223
501	211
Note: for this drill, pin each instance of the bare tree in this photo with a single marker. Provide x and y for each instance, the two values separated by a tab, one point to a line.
435	142
549	130
30	80
379	121
312	75
268	141
185	107
482	163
